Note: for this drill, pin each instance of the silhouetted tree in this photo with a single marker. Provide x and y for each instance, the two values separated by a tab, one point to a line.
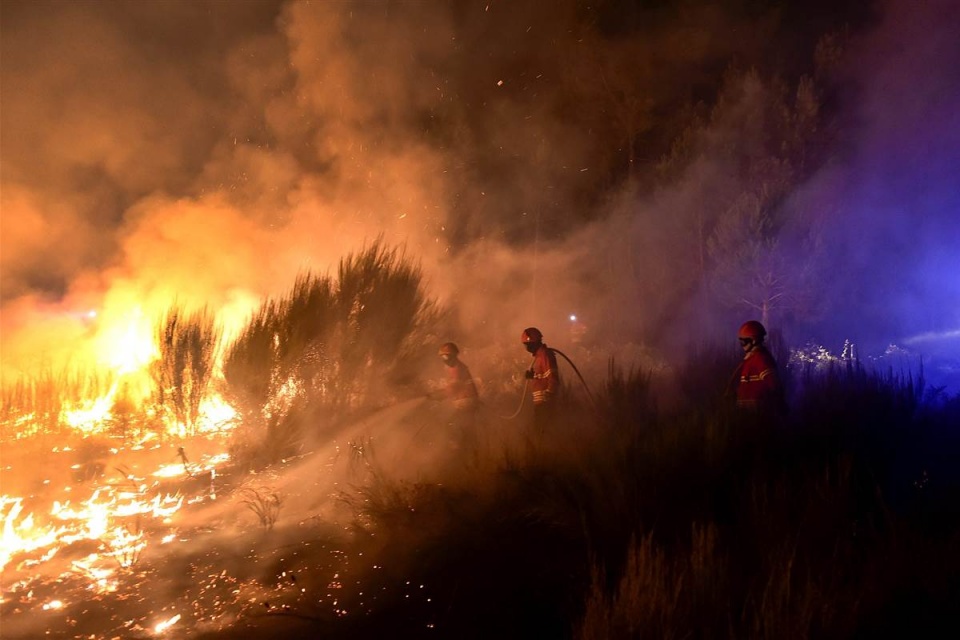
762	251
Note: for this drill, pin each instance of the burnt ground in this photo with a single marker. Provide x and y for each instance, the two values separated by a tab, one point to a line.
214	563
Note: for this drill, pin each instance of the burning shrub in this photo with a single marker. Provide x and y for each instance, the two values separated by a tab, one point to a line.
280	352
125	419
384	312
188	344
329	347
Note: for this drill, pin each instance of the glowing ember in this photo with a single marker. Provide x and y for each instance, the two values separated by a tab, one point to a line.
163	626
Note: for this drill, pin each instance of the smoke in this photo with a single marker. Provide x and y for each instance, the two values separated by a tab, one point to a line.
208	153
892	240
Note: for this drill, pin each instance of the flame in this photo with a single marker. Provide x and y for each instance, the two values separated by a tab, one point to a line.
126	344
112	368
118	517
22	536
123	519
99	576
106	391
91	414
216	415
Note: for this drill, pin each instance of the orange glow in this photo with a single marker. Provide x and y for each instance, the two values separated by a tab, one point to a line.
21	535
124	520
92	413
126	344
163	626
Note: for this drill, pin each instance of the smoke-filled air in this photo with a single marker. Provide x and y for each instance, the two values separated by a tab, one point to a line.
235	236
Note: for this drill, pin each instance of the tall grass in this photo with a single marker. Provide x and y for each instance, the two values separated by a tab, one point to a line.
32	405
693	522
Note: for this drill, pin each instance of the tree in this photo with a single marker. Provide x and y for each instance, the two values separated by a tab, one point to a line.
762	248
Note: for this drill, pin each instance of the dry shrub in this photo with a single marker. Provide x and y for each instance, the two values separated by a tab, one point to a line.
330	347
264	503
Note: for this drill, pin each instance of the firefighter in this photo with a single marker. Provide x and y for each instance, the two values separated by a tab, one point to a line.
462	393
544	377
759	388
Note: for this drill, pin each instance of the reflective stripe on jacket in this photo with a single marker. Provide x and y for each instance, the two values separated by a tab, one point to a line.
759	385
545	375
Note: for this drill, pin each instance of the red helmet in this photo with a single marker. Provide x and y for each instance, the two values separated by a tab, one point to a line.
752	329
531	334
449	349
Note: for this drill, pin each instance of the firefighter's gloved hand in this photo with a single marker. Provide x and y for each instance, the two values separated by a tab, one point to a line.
528	374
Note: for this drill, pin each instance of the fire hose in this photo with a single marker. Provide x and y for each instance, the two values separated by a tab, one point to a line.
523	398
586	388
593	402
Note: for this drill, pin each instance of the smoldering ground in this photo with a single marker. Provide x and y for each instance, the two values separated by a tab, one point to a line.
272	546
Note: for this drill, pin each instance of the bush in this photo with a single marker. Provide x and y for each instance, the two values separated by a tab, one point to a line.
330	347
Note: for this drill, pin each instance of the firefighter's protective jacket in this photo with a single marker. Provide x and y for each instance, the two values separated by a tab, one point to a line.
759	387
460	387
545	375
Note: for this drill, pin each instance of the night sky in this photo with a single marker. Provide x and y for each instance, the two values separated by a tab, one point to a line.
659	168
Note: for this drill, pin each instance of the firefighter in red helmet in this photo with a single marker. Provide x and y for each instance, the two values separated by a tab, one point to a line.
543	375
758	380
463	395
